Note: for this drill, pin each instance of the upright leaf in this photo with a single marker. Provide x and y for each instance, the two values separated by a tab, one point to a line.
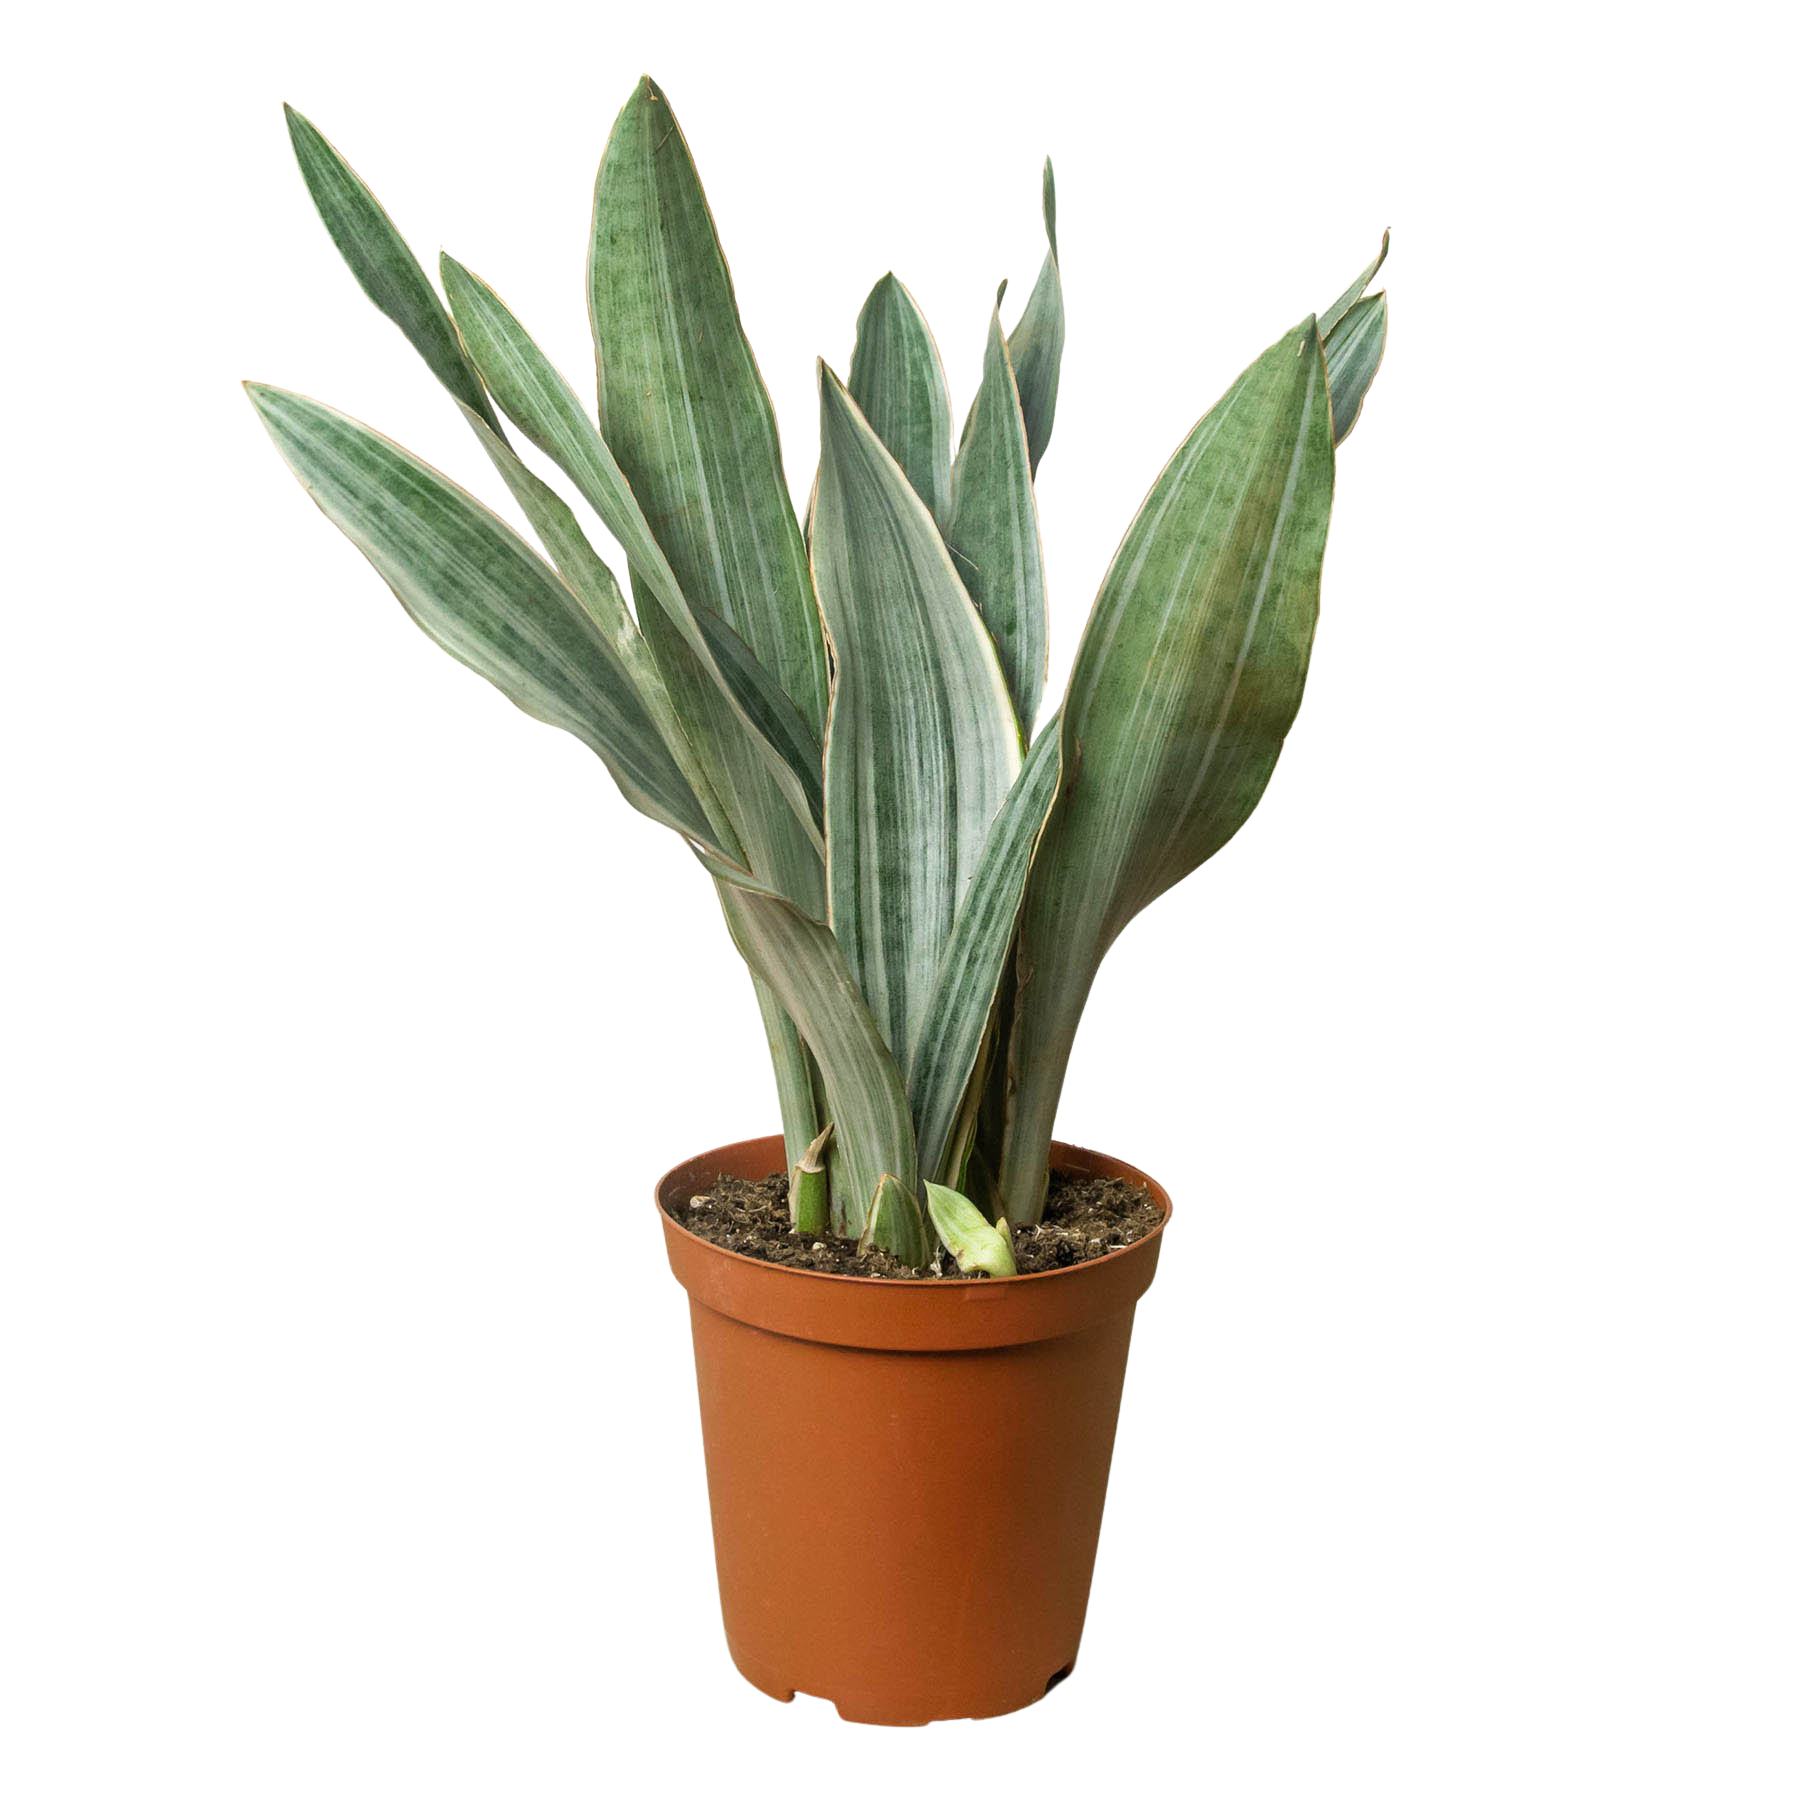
684	408
1352	356
800	961
756	777
993	528
764	702
1333	316
923	744
1037	340
1187	678
897	378
962	1000
386	269
478	591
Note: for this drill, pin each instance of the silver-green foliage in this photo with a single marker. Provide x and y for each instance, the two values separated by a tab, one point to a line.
838	721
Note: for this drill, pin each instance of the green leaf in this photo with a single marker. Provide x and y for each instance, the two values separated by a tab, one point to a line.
977	1246
387	270
1335	313
962	1001
803	965
727	733
1187	678
993	528
922	745
1352	357
595	586
1037	341
897	378
684	408
764	702
478	591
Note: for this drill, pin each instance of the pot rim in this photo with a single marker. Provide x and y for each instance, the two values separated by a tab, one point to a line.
1060	1154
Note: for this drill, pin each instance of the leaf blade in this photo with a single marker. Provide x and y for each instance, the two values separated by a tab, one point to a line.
532	393
1188	676
922	745
1353	357
684	408
897	378
1333	316
993	529
1037	340
962	1001
385	269
481	594
804	967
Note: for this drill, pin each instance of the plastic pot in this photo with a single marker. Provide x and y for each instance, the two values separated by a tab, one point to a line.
906	1477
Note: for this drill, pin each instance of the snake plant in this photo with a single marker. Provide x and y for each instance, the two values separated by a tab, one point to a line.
839	719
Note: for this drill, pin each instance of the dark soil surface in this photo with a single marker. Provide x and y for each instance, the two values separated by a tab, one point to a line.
1086	1216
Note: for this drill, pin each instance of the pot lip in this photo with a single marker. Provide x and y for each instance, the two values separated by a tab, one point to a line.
1058	1152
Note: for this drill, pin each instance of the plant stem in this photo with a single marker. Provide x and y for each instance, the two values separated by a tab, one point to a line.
809	1189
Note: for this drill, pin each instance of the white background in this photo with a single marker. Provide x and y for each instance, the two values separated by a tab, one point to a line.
348	1425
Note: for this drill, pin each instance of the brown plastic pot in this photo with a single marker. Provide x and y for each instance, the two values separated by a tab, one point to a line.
906	1477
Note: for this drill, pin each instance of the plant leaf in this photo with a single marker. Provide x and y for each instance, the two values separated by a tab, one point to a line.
684	409
922	745
1037	341
1187	678
765	704
801	962
536	398
596	587
1352	357
962	1001
478	591
1334	314
897	378
386	269
969	1237
993	528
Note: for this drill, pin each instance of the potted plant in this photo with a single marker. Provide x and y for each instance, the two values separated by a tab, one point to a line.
907	1457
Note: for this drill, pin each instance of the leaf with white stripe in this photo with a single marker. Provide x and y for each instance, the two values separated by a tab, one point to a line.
480	593
1333	316
1187	678
801	962
684	409
730	739
1037	340
1352	355
922	745
962	1002
384	267
765	704
993	528
897	378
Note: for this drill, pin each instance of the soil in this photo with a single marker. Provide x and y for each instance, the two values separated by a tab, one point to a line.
1084	1217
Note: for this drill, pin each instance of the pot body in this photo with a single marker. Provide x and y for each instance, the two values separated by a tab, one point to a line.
906	1478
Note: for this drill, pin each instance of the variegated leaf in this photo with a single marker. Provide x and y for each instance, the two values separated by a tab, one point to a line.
1352	357
478	591
1334	314
800	961
684	409
709	698
1187	678
993	528
1037	340
923	744
961	1005
385	268
897	378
